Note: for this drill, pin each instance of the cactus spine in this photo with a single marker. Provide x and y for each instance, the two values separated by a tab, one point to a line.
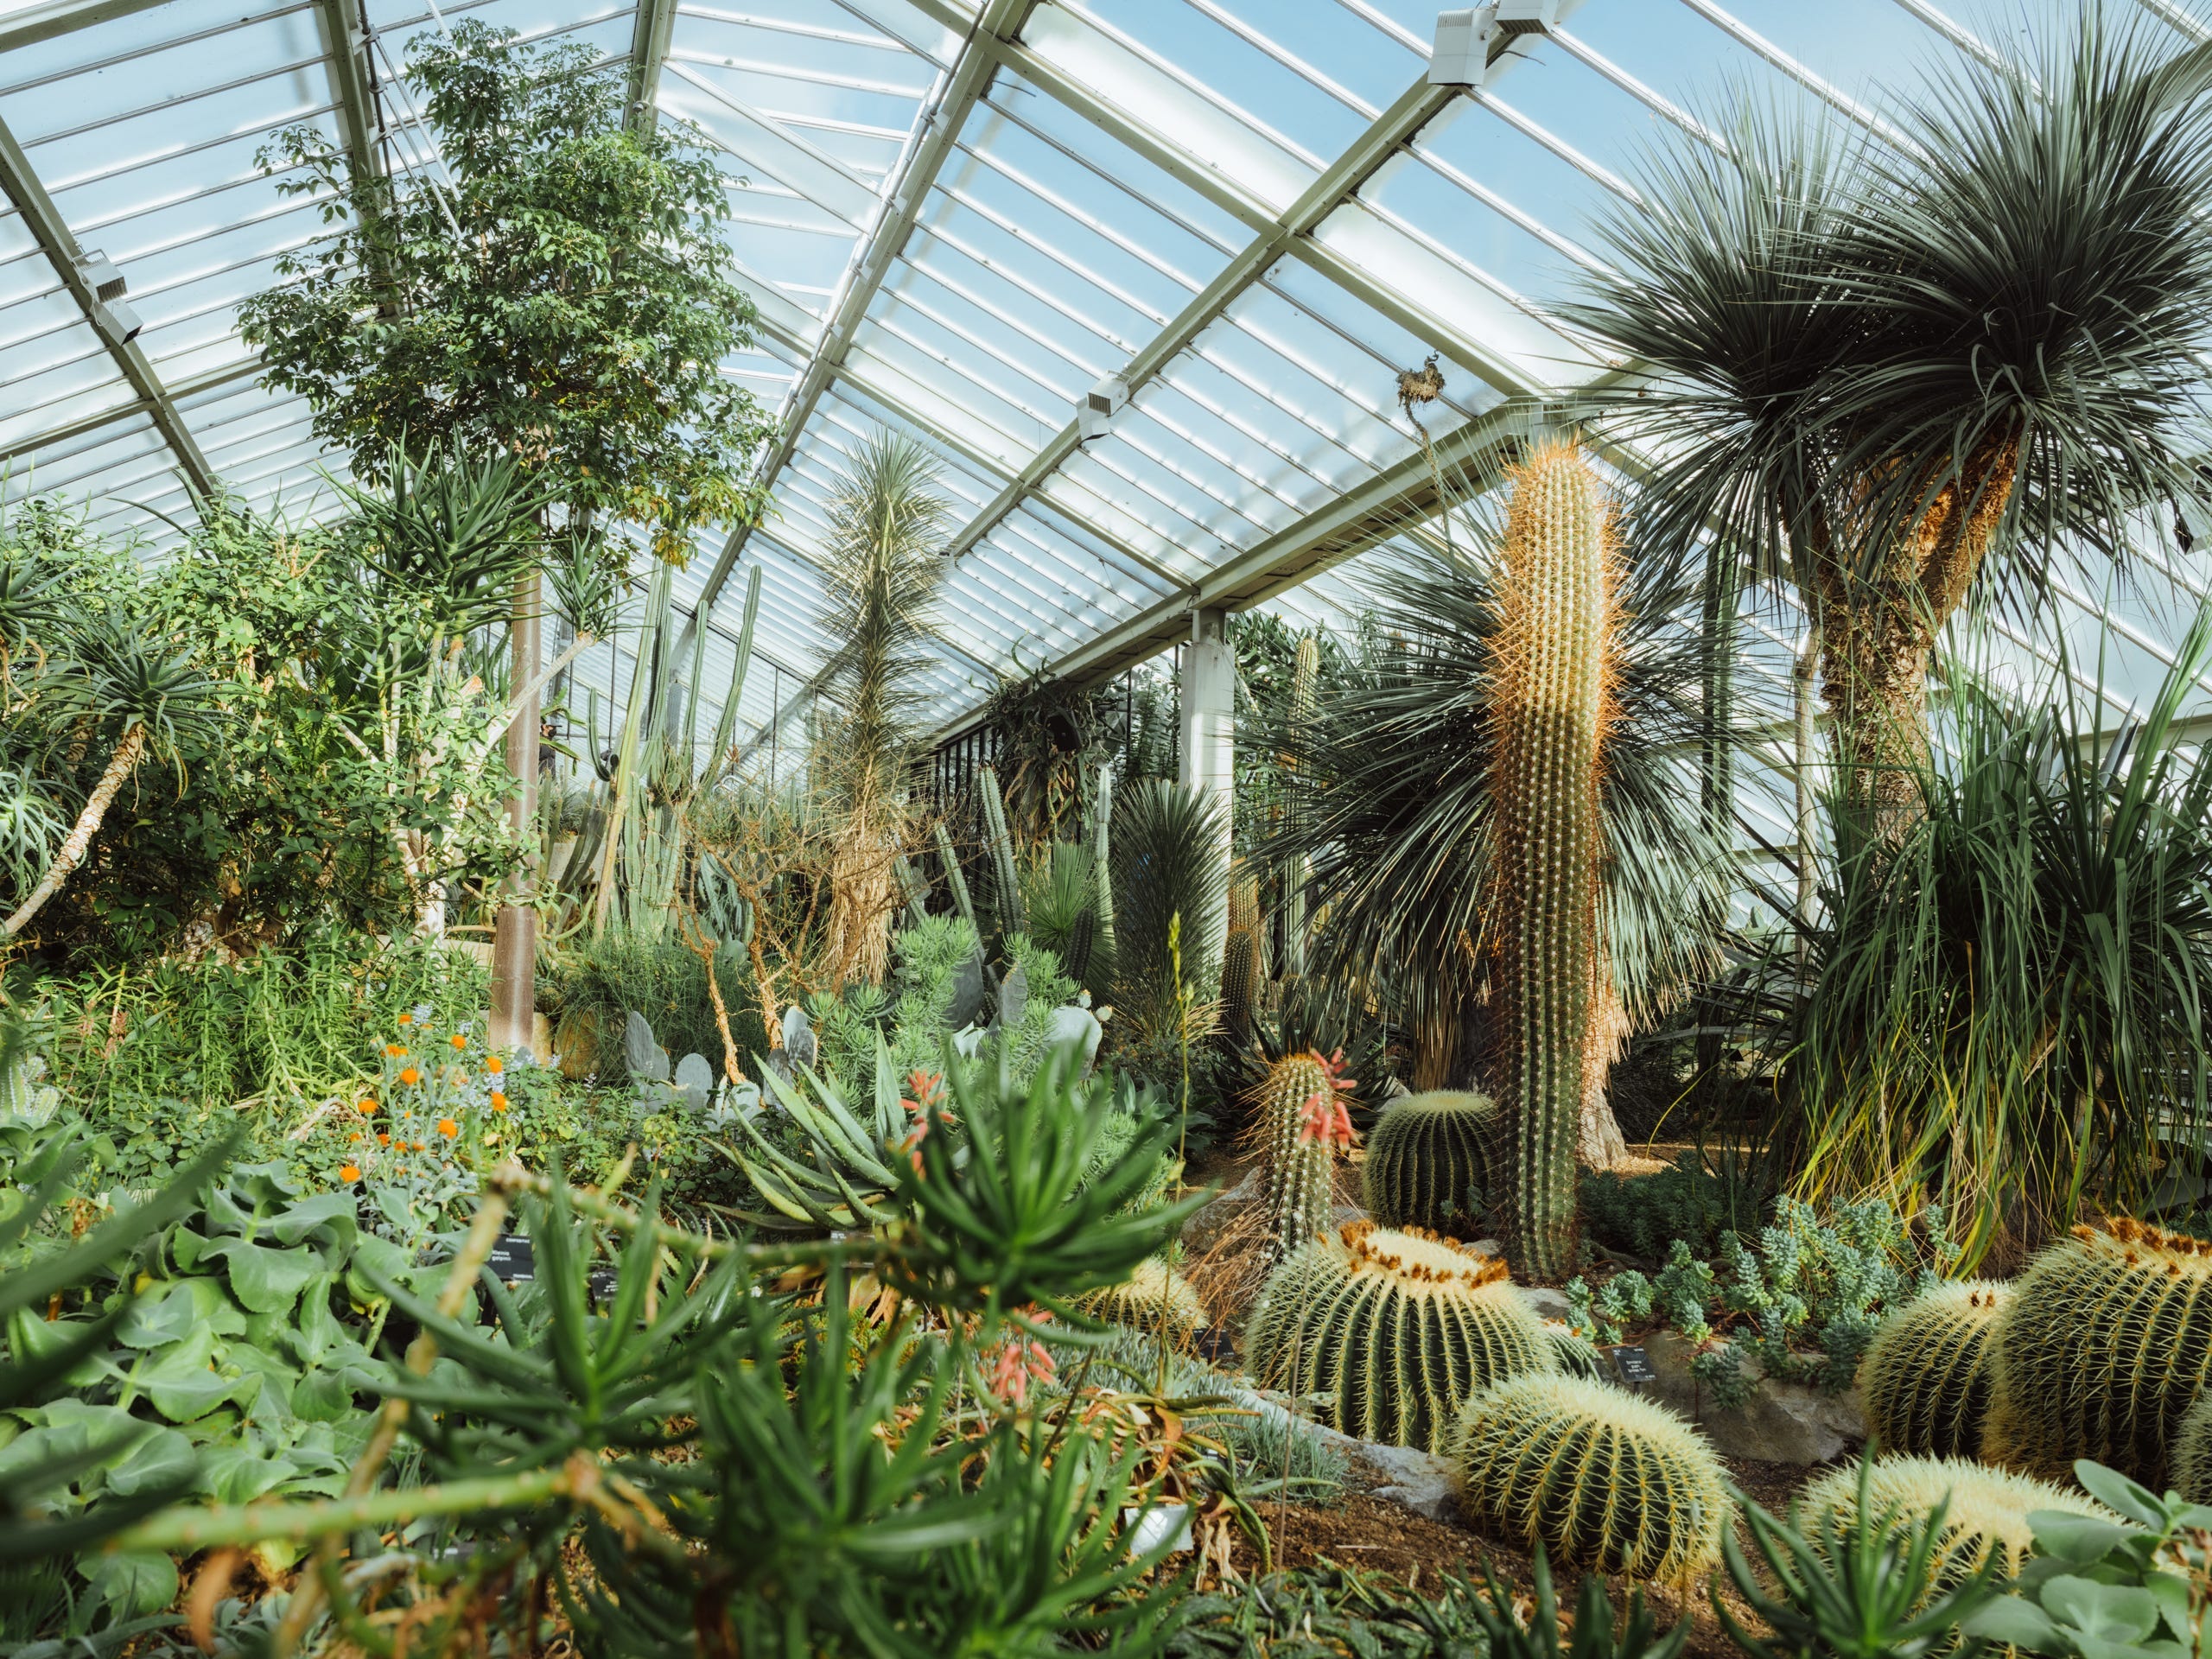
1985	1510
2192	1453
1925	1376
1240	969
1396	1328
2106	1343
1424	1151
1602	1479
1552	703
1300	1163
1305	681
1006	877
1154	1291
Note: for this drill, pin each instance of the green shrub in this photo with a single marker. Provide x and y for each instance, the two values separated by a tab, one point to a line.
600	979
1644	1214
1602	1479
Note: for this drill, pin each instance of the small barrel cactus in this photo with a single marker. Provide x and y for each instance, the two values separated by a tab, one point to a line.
1395	1328
1602	1479
1925	1375
2191	1463
2106	1343
1577	1355
1299	1123
1985	1510
1153	1292
1425	1153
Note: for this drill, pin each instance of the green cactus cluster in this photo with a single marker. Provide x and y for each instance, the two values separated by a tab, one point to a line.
1604	1480
1396	1328
1556	648
1005	873
1425	1154
1925	1375
1985	1510
2105	1345
1299	1193
1155	1291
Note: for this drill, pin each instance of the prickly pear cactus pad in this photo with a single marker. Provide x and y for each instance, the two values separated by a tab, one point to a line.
2105	1345
1424	1155
1395	1328
1925	1376
1604	1480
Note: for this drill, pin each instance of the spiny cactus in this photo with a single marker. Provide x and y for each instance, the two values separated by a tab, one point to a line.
1555	660
1005	874
1299	1123
1985	1510
1424	1153
1240	970
2106	1343
1102	817
1602	1479
2192	1453
1396	1328
1153	1289
1925	1375
954	878
1576	1356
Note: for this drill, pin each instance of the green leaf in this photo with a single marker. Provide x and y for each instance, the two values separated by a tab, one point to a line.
240	1472
132	1583
332	1215
166	1315
2115	1614
2120	1494
265	1280
163	1458
2013	1621
2080	1539
179	1380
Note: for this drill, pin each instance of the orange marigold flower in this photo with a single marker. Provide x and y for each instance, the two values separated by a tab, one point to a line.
419	1146
395	1050
353	1137
494	1065
410	1077
349	1172
406	1019
384	1137
366	1107
498	1101
459	1041
448	1128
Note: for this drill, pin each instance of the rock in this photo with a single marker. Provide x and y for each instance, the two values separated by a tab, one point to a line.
1782	1422
1485	1247
1549	1304
1203	1229
1419	1481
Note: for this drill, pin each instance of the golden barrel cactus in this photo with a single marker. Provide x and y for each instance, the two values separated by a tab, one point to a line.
1925	1376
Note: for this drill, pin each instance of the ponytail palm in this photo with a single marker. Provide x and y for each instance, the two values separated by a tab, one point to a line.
1878	367
152	703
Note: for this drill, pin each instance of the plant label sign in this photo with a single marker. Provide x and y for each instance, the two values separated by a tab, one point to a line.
512	1260
1634	1365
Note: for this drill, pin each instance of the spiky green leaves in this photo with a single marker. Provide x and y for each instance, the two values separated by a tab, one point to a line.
1552	704
1925	1376
1164	862
1425	1155
1601	1478
2107	1342
1396	1328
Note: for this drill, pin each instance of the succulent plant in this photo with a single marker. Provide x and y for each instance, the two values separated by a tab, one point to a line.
1552	692
1602	1479
1425	1153
2190	1466
1170	893
1576	1356
1140	1302
1296	1123
1239	973
2106	1343
1985	1510
1007	907
1925	1375
1396	1328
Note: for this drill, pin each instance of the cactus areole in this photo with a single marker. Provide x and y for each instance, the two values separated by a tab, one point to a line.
1552	702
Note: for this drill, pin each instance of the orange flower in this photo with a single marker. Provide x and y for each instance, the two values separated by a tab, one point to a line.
406	1019
448	1128
498	1101
459	1041
353	1137
349	1172
1323	1118
410	1077
1019	1362
494	1065
384	1137
419	1146
395	1051
366	1107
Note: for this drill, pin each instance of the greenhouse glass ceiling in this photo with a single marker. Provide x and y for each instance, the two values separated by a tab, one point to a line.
957	222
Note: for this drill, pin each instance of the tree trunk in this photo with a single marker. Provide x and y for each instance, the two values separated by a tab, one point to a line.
514	938
1599	1143
120	766
1880	622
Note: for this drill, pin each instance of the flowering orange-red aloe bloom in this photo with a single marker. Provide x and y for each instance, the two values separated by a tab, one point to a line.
1020	1363
928	1090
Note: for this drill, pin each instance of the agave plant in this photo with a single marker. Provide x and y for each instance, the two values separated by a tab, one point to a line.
1872	368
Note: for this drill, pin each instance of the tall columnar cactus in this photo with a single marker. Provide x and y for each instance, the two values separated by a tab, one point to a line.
950	857
1005	874
2106	1343
1102	848
1304	683
1240	973
1396	1328
1925	1375
1424	1155
1985	1510
1296	1123
1605	1480
1552	704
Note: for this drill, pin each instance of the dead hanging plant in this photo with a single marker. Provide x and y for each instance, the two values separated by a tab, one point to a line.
1050	739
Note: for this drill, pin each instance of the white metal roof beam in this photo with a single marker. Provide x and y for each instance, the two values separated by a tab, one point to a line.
970	77
90	423
346	62
60	18
21	182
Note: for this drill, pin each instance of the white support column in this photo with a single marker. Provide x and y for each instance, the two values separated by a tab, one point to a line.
1208	745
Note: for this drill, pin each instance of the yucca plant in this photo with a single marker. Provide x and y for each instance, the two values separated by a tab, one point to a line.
1168	872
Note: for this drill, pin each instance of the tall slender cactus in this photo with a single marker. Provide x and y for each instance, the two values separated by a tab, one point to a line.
1552	703
1005	875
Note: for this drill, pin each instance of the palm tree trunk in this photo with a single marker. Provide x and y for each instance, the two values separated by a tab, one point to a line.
120	766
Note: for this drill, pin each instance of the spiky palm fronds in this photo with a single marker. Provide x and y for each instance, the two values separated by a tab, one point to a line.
883	568
1169	873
